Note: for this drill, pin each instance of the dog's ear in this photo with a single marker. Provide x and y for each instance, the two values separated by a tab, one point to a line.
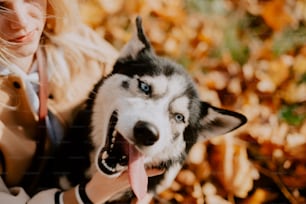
215	121
138	42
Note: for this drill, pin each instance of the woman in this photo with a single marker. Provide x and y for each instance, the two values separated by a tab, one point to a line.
48	64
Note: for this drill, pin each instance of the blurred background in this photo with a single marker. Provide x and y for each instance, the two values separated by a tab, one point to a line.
245	55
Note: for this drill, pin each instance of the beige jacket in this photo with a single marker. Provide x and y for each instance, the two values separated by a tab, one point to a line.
18	125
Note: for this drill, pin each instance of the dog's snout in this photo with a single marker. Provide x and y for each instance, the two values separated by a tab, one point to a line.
145	133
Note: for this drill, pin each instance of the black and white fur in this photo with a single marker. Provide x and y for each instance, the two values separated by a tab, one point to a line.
152	103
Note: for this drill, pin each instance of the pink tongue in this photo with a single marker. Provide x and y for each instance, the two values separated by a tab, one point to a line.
137	174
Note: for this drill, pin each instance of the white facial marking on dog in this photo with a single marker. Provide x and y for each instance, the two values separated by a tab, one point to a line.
177	85
106	102
173	98
133	105
158	83
180	105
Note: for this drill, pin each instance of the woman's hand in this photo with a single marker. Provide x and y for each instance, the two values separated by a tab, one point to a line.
101	187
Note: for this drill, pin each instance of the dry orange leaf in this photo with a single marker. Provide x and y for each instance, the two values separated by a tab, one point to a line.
275	14
230	162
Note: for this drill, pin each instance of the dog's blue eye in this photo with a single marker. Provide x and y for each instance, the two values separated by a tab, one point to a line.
144	87
179	117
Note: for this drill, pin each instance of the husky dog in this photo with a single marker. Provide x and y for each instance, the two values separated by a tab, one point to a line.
145	114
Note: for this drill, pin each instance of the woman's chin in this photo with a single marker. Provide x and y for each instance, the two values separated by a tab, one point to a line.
24	50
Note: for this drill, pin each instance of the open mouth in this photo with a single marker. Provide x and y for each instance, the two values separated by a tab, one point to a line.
113	157
23	38
118	155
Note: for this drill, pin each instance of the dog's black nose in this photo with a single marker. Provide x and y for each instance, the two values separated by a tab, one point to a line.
145	133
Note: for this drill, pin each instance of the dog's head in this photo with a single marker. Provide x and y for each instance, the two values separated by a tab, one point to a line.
148	110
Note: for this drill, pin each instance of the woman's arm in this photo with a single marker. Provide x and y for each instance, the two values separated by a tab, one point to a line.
99	189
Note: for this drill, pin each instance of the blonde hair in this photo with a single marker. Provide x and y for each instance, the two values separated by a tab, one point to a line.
61	15
69	44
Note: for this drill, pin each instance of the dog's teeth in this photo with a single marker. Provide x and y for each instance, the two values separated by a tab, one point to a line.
115	133
123	157
104	155
113	140
112	146
108	167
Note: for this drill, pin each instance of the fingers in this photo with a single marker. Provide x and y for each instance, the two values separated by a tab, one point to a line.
150	173
112	185
123	179
154	172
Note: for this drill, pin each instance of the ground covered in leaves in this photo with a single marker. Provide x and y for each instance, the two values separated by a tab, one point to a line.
245	55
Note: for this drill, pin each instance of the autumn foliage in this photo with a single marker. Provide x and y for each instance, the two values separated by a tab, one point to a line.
245	55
